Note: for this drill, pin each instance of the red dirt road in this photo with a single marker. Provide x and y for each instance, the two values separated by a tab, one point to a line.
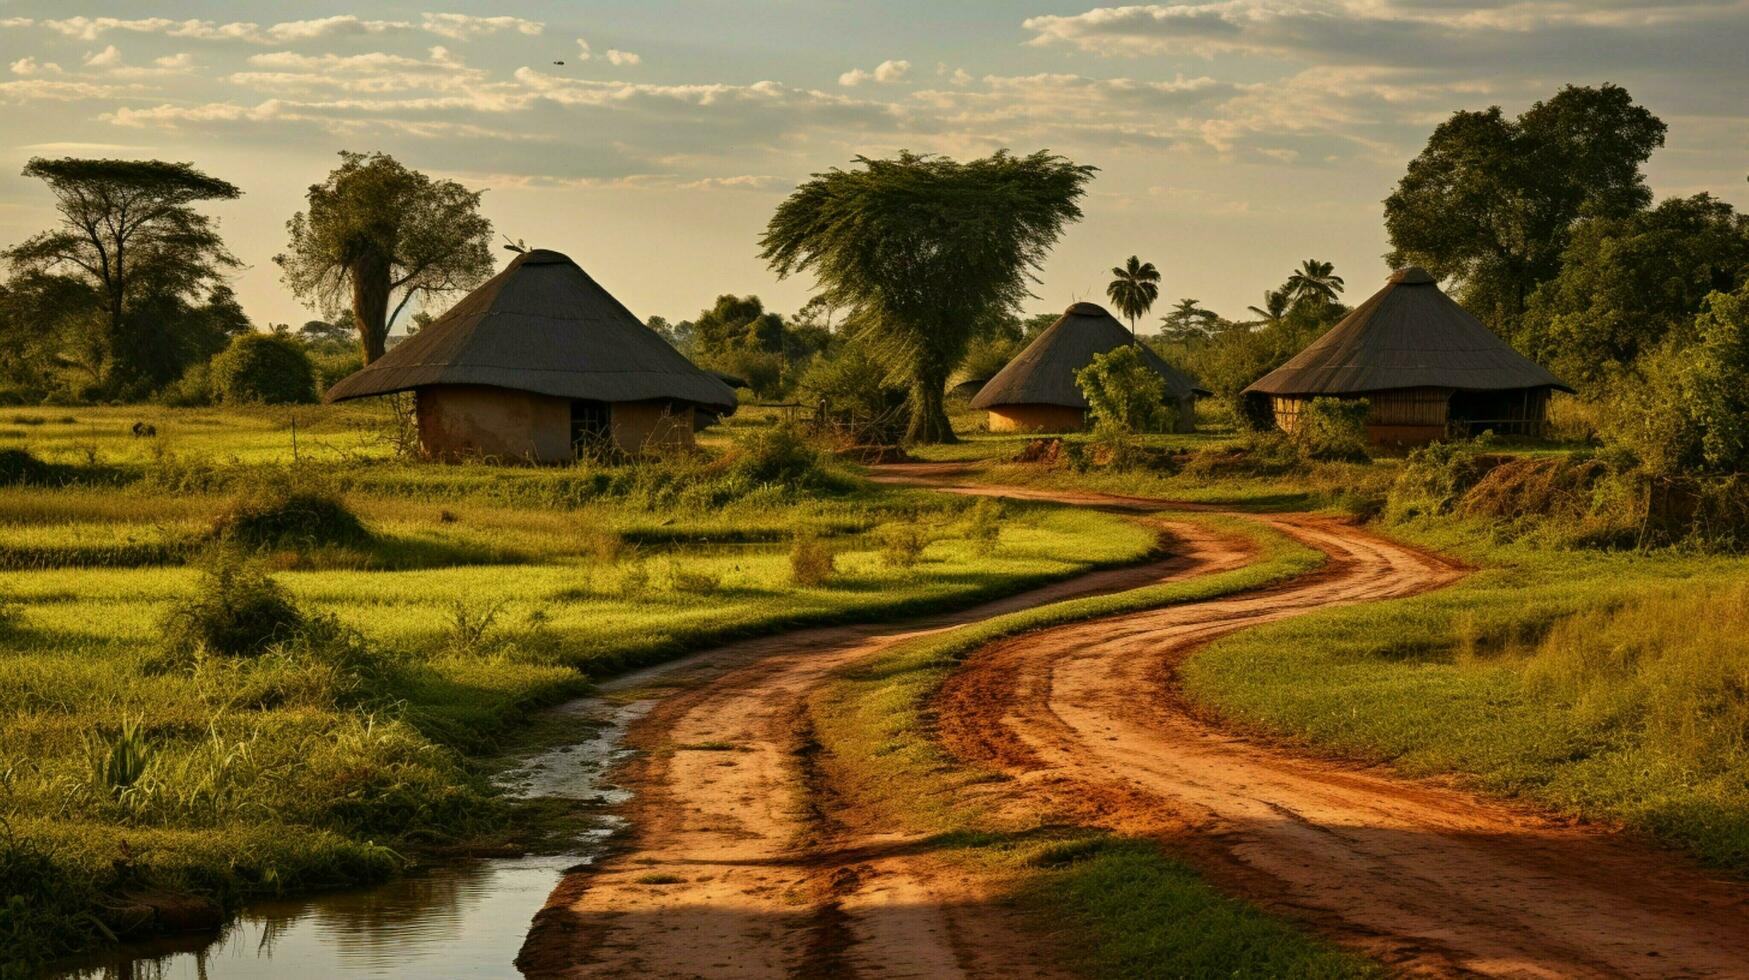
742	864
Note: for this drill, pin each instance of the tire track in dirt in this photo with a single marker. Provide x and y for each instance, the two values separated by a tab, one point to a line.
1088	719
735	864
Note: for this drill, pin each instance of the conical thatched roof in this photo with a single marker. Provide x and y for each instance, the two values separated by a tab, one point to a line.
1408	335
1044	373
541	325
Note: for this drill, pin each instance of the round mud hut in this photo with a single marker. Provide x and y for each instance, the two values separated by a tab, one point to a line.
541	364
1427	368
1036	392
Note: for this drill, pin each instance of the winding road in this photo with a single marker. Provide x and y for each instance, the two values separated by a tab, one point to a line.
743	859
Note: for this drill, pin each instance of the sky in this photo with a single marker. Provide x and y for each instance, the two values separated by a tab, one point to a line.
1234	138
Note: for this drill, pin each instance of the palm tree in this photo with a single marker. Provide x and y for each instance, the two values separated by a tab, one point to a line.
1314	281
1275	303
1189	320
1134	290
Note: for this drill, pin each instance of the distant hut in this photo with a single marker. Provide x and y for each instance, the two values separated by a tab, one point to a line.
537	363
1036	392
1426	367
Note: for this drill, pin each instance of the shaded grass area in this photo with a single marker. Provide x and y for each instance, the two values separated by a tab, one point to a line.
1119	907
1609	686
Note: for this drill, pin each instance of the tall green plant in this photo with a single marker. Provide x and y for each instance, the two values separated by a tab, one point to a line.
1133	289
1124	394
921	249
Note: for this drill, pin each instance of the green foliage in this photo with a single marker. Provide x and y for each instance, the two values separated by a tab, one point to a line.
853	391
903	544
132	283
1491	202
1333	430
1687	411
811	561
274	513
193	390
1628	284
375	230
119	765
779	456
1124	393
920	249
236	611
263	368
984	524
1134	287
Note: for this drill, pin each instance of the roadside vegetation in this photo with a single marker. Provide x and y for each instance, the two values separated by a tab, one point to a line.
229	673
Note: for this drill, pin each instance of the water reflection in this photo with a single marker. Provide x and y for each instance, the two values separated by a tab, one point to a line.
465	919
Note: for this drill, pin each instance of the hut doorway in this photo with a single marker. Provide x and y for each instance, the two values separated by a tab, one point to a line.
591	426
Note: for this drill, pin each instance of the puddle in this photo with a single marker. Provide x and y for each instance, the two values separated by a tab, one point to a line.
460	919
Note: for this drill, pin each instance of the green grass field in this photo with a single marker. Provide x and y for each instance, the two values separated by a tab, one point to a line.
481	594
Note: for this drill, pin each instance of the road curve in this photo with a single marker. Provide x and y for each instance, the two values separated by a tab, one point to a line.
741	863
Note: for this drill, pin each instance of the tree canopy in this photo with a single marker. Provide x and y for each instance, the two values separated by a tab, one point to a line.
1627	283
1490	202
154	267
919	249
378	233
1134	287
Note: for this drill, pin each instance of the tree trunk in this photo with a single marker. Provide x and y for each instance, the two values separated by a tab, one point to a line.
929	422
370	304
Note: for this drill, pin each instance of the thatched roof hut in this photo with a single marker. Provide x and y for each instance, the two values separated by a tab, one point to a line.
537	363
1036	392
1425	365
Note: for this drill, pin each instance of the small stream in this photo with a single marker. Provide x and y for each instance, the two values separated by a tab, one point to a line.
457	919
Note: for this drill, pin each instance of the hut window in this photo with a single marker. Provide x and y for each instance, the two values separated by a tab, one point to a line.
590	425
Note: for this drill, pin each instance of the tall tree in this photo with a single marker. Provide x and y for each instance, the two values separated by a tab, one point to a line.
1134	287
1315	283
129	228
920	249
1490	202
1275	304
1188	320
375	231
1628	283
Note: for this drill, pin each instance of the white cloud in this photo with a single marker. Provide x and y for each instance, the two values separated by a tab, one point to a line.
109	57
618	57
462	27
886	72
583	53
175	62
28	66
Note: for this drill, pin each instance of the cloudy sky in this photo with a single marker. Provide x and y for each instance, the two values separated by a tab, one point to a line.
1234	137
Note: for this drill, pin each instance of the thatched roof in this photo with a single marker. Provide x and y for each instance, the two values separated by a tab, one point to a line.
1408	335
1044	373
541	325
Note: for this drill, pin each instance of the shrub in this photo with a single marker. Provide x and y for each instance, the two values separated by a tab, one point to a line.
902	545
1682	411
470	627
281	514
1124	395
984	524
811	562
778	455
1333	430
193	390
20	466
1434	477
264	368
332	367
854	395
237	611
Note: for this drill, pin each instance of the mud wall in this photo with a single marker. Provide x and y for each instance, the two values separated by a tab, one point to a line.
475	421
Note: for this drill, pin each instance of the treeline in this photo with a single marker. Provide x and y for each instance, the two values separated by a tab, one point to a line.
128	298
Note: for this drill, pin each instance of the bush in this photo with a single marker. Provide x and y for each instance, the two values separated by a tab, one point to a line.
778	455
193	390
902	545
330	368
1124	395
1433	478
984	524
266	369
854	395
238	611
811	562
280	514
1682	411
1333	430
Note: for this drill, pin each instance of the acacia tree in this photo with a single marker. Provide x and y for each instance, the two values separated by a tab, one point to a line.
129	229
920	250
1133	289
378	233
1490	202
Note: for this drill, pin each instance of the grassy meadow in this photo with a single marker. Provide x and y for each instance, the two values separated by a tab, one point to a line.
460	600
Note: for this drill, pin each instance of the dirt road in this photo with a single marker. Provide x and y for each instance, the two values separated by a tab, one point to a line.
742	864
